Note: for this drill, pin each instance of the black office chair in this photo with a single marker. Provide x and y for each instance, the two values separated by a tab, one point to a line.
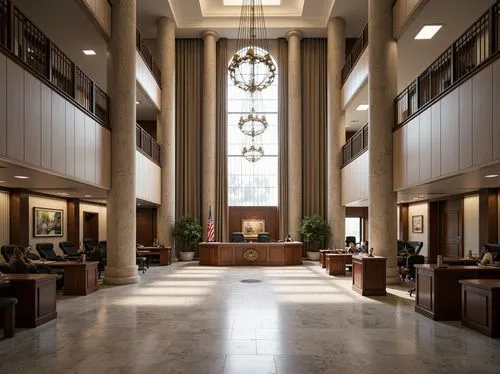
8	250
69	250
99	254
88	245
46	250
411	261
349	239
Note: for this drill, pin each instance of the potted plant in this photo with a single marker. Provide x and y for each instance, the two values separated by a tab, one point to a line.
314	230
188	232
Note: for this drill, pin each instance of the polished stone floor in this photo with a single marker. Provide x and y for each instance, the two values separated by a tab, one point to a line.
189	319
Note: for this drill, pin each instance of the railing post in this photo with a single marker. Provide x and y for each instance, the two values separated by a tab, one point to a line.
92	97
453	59
49	60
73	76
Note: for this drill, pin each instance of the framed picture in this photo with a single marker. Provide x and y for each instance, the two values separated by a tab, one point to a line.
417	224
47	222
252	227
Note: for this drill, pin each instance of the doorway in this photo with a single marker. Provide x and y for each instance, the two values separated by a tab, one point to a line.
91	226
451	228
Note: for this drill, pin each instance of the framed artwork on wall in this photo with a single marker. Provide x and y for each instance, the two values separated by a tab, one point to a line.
252	227
417	224
47	222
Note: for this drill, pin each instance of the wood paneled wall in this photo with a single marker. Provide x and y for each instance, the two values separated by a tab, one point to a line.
355	180
458	133
19	217
4	217
269	213
44	130
146	226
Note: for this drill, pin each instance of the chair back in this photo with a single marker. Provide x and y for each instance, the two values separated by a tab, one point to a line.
69	248
46	251
88	245
411	261
8	250
350	239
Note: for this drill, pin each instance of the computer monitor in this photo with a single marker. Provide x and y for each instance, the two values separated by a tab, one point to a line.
237	237
263	237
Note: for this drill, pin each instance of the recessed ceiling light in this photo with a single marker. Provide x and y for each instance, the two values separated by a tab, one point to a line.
88	52
491	176
415	198
88	195
137	102
362	107
240	2
427	32
63	193
421	197
21	177
2	181
138	204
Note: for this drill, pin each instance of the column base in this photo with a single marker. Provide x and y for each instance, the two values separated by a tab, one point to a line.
121	275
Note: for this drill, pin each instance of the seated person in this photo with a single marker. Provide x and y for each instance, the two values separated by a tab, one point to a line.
363	247
403	270
487	258
352	248
288	238
19	264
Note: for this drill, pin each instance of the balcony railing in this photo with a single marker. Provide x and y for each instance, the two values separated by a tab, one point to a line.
147	145
21	39
356	145
475	48
355	54
147	56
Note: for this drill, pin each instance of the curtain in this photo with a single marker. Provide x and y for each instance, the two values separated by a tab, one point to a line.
283	137
188	120
314	126
221	208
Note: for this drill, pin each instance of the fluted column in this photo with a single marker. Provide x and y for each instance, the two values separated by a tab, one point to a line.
209	125
382	86
336	130
121	216
166	130
294	133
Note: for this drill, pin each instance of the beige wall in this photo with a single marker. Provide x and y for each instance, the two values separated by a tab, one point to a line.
44	202
417	210
356	80
101	11
355	180
99	209
471	225
4	219
148	179
146	82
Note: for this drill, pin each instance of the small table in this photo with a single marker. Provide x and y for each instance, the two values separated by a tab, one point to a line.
80	278
336	263
369	275
481	305
322	256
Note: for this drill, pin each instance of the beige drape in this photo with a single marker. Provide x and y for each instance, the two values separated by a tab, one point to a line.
220	210
283	136
314	122
188	109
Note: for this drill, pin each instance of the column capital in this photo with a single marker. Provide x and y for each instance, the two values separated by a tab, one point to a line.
208	33
294	34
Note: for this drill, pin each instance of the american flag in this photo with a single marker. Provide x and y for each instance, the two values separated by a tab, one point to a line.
211	228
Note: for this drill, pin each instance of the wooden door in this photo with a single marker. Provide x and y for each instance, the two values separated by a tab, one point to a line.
91	226
451	228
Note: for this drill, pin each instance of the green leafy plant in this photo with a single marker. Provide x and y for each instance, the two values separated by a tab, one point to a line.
188	232
314	230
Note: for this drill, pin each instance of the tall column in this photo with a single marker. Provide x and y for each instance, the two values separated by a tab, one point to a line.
336	130
382	86
121	217
209	128
166	130
294	133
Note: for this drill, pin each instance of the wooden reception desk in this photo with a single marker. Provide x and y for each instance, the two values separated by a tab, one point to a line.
272	254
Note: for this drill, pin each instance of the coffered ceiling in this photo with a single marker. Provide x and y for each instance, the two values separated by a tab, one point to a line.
194	16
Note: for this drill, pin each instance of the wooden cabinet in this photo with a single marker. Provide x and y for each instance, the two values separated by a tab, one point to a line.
336	263
322	256
80	278
36	298
368	275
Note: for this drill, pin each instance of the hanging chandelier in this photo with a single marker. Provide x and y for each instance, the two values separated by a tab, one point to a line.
253	70
252	153
252	124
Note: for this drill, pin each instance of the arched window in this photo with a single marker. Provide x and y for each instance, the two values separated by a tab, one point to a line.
252	183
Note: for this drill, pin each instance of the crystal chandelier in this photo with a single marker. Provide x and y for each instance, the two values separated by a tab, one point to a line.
252	153
253	70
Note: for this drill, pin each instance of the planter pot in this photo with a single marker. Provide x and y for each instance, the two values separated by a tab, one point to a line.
187	256
313	256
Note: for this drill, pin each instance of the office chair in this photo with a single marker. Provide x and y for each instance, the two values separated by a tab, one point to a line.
69	250
46	251
263	237
411	261
349	239
237	237
8	250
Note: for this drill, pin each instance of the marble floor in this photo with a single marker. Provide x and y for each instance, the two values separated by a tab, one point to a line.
189	319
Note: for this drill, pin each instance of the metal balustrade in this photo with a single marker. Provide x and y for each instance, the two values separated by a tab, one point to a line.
355	54
473	49
147	145
147	56
355	146
29	46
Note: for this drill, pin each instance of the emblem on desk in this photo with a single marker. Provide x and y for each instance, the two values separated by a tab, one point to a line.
250	255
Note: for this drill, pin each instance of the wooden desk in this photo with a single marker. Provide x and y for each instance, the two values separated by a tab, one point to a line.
36	298
460	261
481	305
368	275
322	256
163	253
80	278
336	263
439	294
273	254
